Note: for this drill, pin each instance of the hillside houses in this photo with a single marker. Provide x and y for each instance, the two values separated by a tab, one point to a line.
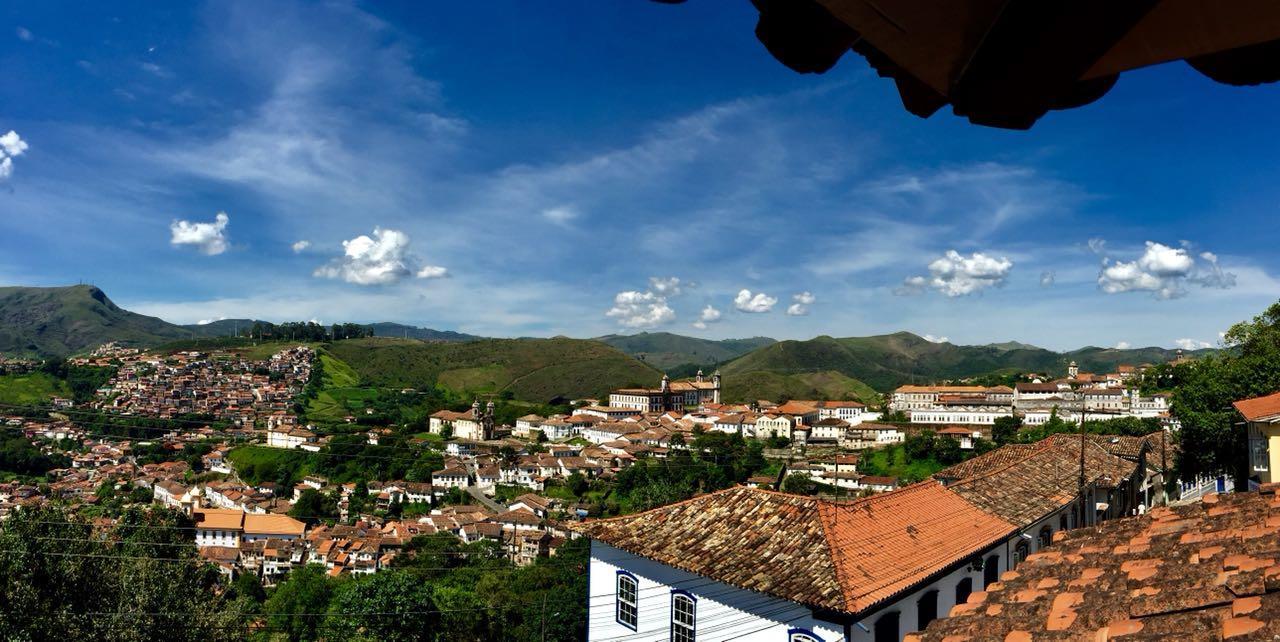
1078	395
225	385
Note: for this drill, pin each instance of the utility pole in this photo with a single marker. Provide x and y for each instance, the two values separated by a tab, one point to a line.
1083	513
543	617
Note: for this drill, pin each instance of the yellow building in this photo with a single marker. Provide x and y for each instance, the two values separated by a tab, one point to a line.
1262	415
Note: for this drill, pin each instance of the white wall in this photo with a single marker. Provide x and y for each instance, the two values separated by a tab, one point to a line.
722	611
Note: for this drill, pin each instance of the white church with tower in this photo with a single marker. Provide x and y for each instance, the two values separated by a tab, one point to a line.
669	395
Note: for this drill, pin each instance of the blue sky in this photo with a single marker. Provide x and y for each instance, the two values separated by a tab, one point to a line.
534	169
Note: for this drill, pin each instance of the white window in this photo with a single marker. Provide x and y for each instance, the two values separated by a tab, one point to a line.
801	635
683	617
628	614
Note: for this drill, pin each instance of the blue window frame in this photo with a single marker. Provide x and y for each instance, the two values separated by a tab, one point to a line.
684	616
627	610
802	635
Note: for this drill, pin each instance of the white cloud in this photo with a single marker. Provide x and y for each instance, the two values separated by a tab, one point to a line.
1122	345
708	315
1047	278
208	321
1164	271
932	339
669	286
24	34
562	215
754	303
432	272
11	147
1192	344
382	259
801	306
209	238
300	246
635	309
957	275
1098	246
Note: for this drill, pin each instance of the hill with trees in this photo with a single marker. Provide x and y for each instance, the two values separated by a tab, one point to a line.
536	370
667	351
887	361
56	322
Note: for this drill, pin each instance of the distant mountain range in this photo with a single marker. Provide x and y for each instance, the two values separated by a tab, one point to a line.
666	351
62	321
887	361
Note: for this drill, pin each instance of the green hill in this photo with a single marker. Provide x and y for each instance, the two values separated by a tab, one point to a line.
887	361
530	369
827	385
399	330
60	321
667	351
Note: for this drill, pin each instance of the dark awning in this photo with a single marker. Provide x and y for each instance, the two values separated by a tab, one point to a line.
1005	63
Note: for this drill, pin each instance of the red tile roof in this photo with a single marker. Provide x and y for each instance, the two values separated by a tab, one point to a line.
843	556
885	544
1203	571
753	539
1044	480
1260	408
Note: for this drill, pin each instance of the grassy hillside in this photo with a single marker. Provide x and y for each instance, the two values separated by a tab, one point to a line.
530	369
666	351
826	385
887	361
37	387
55	322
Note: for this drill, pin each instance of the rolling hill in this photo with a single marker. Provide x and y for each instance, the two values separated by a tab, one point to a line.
667	351
386	329
887	361
42	322
530	369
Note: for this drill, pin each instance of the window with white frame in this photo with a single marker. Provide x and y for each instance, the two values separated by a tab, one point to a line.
628	595
802	635
683	617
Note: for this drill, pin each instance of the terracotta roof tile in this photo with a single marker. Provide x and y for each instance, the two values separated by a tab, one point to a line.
1260	408
889	542
845	556
1202	571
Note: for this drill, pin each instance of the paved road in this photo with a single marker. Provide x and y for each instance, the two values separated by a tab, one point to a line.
484	500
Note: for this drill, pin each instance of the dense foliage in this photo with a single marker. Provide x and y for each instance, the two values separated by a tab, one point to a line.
18	455
1203	391
61	580
716	460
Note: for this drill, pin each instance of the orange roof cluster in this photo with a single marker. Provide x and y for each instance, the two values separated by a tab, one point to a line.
1205	571
1260	408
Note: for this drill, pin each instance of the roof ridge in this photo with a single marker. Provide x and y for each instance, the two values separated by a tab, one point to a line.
1040	447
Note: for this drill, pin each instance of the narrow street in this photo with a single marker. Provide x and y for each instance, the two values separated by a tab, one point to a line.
484	500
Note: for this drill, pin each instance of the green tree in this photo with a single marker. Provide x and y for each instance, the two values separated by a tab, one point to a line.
1210	440
389	606
313	506
296	605
1005	430
578	484
57	569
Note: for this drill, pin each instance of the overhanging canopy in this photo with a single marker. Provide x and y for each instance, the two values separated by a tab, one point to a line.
1005	63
